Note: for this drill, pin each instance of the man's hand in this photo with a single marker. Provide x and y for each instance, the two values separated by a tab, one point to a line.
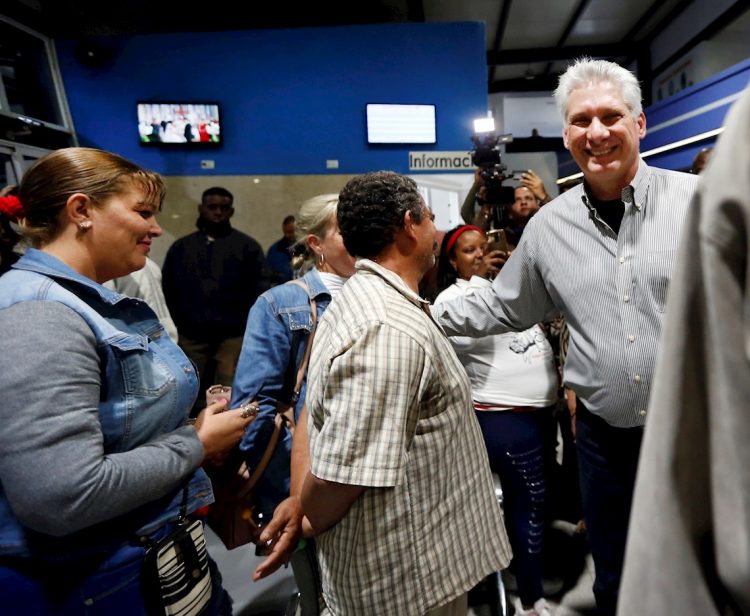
534	183
283	531
570	402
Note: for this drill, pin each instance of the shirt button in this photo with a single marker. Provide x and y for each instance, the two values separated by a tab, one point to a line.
622	259
642	412
637	378
626	298
631	338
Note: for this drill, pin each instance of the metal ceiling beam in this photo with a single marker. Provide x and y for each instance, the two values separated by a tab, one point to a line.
666	20
572	22
542	83
642	21
552	54
717	25
582	4
502	22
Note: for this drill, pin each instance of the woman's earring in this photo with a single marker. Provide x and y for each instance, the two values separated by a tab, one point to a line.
322	258
85	225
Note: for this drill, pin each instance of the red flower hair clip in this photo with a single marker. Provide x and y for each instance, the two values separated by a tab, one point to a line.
11	207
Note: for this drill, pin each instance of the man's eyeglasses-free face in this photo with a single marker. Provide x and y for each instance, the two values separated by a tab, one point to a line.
223	207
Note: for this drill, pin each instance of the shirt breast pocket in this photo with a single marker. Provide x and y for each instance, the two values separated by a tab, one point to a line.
144	373
658	274
297	318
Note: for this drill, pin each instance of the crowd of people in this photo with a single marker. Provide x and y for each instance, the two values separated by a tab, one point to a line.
383	471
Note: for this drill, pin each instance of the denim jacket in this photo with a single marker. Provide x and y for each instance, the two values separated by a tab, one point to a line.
147	386
278	325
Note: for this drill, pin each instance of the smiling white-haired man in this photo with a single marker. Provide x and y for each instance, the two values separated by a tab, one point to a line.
602	255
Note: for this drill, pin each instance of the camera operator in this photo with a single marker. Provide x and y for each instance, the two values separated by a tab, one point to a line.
512	216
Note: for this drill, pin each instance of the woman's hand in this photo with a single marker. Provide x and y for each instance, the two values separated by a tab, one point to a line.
492	263
220	430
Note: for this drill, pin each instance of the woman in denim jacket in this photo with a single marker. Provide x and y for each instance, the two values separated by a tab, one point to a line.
95	450
276	335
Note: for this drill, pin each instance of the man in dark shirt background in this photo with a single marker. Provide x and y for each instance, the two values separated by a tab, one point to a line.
211	278
279	255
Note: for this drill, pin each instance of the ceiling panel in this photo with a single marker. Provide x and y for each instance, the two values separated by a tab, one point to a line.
538	25
541	27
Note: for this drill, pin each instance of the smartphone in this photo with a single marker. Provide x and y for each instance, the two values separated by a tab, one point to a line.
496	240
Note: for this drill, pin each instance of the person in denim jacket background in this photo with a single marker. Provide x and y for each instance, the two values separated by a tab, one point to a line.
277	330
95	451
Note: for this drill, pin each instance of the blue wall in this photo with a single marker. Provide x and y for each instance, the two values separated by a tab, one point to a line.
695	110
290	99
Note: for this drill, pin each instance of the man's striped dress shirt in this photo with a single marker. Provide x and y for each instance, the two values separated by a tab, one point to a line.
610	287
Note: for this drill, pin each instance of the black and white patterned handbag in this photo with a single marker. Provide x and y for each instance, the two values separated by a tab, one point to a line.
175	578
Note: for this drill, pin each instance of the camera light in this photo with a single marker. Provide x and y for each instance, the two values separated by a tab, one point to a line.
484	125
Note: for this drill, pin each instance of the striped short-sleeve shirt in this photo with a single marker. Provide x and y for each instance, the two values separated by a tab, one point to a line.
390	408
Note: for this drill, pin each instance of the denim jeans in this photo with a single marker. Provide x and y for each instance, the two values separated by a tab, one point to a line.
112	590
516	450
607	464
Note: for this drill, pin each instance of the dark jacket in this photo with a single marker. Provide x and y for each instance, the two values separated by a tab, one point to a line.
210	285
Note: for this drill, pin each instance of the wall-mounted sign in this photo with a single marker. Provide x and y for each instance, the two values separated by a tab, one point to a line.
440	161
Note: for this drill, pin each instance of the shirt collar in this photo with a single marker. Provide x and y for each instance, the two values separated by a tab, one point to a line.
315	284
35	260
393	279
634	194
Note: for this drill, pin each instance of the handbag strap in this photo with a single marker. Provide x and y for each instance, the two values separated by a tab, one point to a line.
264	460
289	417
285	413
183	504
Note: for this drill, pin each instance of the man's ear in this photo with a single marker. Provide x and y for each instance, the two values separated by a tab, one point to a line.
79	207
231	213
409	224
641	124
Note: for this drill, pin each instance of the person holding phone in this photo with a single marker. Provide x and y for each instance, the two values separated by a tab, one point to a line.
514	387
529	196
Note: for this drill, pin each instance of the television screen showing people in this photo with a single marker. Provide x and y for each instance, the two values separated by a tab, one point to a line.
160	123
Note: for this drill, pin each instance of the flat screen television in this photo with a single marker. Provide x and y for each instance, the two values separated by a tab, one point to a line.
388	123
189	124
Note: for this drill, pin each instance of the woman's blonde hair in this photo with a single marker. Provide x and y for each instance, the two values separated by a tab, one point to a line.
47	185
315	217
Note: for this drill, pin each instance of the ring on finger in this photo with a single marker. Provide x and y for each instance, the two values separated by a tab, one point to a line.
249	409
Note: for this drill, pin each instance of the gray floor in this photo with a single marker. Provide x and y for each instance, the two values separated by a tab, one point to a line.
270	596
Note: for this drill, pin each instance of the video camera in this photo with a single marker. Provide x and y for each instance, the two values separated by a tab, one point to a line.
486	156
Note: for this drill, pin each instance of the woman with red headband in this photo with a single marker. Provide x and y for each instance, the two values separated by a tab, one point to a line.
514	385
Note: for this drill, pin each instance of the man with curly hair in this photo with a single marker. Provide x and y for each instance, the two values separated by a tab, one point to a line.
399	490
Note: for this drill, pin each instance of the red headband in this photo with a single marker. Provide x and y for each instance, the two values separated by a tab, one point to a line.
457	233
11	207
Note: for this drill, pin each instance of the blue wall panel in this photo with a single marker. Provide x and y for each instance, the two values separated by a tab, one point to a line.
290	99
696	110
